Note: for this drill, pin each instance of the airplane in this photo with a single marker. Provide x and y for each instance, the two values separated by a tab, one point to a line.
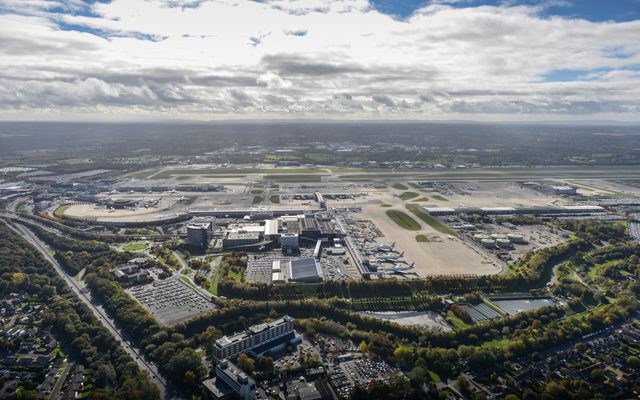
399	269
391	256
384	248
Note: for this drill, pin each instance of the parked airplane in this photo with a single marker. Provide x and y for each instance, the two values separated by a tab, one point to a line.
391	257
385	248
399	269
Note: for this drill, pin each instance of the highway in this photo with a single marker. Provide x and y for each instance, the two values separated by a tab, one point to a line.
80	289
634	231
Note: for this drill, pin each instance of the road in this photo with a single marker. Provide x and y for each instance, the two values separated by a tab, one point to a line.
83	293
634	231
56	389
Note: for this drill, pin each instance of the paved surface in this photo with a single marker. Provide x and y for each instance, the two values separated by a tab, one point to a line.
56	389
84	294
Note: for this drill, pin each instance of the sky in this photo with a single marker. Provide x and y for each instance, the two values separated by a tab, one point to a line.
491	60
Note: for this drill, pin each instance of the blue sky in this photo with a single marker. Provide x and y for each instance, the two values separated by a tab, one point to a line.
592	10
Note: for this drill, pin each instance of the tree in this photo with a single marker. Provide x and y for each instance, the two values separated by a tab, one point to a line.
597	375
245	363
183	361
633	362
404	355
265	364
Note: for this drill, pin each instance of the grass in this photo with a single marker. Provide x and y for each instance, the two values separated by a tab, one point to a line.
59	212
422	238
408	196
134	246
275	199
257	191
421	200
257	199
212	287
170	173
403	219
439	197
386	205
434	223
496	344
143	174
400	186
236	276
456	322
294	178
187	281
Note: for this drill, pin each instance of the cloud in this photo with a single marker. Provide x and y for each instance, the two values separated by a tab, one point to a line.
273	81
320	58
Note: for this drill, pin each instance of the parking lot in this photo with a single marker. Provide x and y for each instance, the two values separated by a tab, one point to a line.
171	300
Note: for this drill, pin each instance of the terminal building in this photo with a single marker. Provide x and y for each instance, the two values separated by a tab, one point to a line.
266	338
230	382
564	190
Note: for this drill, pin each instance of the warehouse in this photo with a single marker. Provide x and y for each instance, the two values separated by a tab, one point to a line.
304	270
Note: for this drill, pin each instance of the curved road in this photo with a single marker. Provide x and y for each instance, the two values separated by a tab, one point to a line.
79	288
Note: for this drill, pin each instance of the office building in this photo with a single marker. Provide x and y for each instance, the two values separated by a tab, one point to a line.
257	340
230	382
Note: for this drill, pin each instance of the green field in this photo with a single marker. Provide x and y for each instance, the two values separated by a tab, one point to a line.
257	191
434	223
422	238
257	200
421	200
134	246
404	220
275	199
187	281
386	205
59	212
439	197
294	178
400	186
169	173
408	196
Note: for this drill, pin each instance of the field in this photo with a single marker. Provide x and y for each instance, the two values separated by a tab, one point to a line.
408	196
434	223
257	200
59	212
134	246
422	238
275	199
439	197
403	219
400	186
294	178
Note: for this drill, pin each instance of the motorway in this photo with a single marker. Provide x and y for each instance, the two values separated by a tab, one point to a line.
634	231
80	289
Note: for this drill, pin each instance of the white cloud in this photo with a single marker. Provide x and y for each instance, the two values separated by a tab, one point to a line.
273	81
315	58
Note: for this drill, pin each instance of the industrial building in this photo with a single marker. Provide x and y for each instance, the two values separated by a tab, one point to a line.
272	270
257	340
230	382
290	242
305	270
564	190
240	239
565	210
